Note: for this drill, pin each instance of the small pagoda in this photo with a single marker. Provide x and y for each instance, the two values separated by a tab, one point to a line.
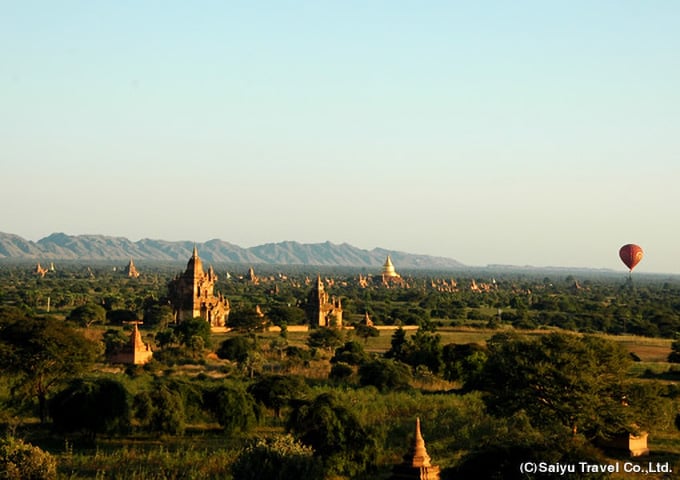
131	270
39	270
136	352
417	464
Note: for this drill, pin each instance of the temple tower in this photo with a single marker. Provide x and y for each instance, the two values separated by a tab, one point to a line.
251	277
39	270
417	463
136	352
131	270
322	310
192	294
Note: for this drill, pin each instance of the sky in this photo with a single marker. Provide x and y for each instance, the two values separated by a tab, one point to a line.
540	133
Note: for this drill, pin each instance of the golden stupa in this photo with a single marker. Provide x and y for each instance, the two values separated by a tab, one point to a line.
388	269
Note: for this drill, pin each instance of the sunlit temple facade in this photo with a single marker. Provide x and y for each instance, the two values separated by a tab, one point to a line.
192	294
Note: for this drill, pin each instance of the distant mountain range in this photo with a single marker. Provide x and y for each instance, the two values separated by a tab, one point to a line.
60	246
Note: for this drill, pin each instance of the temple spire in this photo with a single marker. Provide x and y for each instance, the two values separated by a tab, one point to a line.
420	457
417	464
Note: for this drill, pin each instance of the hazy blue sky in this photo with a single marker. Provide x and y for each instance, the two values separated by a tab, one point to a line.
523	132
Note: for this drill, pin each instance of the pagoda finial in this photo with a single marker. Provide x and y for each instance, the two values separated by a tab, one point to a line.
195	254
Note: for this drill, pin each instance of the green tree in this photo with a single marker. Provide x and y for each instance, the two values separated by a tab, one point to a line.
168	412
351	353
569	382
674	356
366	332
335	434
278	458
278	391
340	372
279	344
385	374
281	315
165	338
398	342
326	338
91	406
40	353
196	327
160	410
235	409
247	321
158	316
142	408
114	341
88	314
424	348
236	348
121	316
464	362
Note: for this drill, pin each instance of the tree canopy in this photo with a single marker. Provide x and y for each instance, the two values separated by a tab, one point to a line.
88	314
335	433
92	406
247	321
576	383
277	391
188	330
385	374
40	352
324	337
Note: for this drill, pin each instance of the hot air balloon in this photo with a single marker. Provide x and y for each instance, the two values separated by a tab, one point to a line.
631	255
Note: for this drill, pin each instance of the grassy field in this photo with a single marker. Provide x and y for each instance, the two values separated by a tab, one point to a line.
647	349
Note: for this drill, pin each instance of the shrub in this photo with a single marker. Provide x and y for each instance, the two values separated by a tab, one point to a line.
23	461
278	458
340	372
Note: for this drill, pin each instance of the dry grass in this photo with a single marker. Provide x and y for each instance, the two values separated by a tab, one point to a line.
648	349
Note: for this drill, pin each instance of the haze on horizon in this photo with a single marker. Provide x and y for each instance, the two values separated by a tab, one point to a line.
524	133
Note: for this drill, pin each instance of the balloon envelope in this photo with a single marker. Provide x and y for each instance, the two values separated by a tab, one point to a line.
631	255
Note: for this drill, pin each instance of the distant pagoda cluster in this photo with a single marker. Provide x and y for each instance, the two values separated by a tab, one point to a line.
42	271
192	294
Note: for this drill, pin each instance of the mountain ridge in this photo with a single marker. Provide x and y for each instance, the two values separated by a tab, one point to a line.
61	246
